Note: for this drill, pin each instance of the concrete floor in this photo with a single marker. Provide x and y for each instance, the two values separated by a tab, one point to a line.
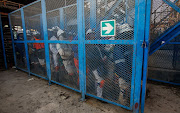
21	94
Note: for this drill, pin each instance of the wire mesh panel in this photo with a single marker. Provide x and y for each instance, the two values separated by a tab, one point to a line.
164	64
62	14
20	55
109	67
109	71
64	64
16	25
62	25
33	21
122	11
37	58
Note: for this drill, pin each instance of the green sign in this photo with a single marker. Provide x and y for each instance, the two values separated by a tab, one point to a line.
108	28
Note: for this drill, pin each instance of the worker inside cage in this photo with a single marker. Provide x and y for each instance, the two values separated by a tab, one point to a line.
96	68
66	56
37	56
20	49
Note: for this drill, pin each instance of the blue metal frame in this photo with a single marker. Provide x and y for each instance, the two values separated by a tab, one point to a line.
61	14
140	28
65	86
25	40
171	33
140	11
45	34
2	41
146	53
81	46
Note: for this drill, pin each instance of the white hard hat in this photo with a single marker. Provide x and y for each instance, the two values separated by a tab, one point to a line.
54	28
89	31
20	31
60	31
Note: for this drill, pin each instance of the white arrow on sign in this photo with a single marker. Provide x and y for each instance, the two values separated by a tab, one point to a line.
108	27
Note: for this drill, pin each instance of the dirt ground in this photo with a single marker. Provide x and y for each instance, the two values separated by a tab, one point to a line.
22	94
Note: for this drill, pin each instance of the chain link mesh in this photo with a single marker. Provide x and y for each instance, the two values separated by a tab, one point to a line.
109	67
109	72
122	11
37	58
20	55
16	24
64	64
33	21
62	25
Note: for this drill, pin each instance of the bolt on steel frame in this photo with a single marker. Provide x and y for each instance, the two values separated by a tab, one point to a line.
77	18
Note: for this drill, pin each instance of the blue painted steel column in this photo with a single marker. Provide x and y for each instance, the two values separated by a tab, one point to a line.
12	38
81	46
146	53
93	14
2	38
25	39
45	34
61	15
139	38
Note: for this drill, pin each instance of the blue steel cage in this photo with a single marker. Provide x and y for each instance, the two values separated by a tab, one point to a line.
60	41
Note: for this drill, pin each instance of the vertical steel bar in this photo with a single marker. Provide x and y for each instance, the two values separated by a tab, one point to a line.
2	38
81	38
146	53
139	38
45	34
61	15
25	40
12	38
93	14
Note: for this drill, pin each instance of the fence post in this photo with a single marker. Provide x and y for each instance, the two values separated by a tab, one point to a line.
61	14
146	53
45	34
2	38
140	11
25	40
81	47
